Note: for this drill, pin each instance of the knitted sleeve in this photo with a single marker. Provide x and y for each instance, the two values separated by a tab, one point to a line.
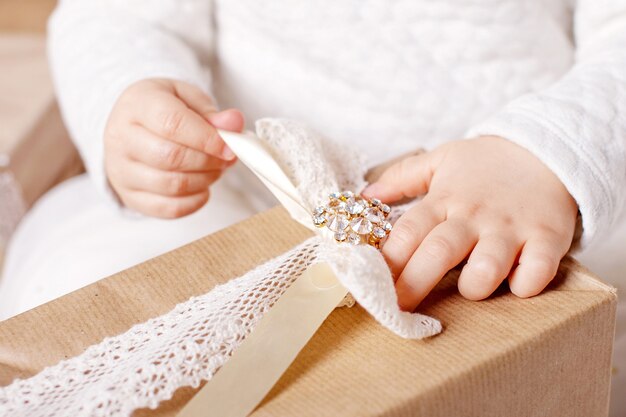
577	126
98	48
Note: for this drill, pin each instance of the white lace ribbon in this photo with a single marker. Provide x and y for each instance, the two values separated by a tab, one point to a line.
302	169
148	363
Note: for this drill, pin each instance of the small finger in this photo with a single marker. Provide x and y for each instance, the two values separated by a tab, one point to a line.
408	178
407	234
201	103
163	206
229	119
150	149
141	177
488	265
195	98
169	117
444	248
538	265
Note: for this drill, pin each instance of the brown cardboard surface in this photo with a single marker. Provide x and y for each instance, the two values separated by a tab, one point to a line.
544	356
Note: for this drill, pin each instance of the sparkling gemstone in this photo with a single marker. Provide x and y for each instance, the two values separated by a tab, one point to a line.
387	226
354	238
373	214
354	206
347	194
379	232
337	205
361	225
319	210
376	202
385	208
338	222
341	236
319	220
334	195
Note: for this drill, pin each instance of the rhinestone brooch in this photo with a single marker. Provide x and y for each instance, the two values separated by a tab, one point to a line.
354	219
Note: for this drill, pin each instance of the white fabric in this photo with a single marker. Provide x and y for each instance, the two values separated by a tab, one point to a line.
72	237
149	362
391	76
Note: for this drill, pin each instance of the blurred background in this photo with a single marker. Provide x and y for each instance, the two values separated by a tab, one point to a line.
35	151
25	16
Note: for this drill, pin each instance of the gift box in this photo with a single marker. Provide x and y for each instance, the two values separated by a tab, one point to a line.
544	356
35	150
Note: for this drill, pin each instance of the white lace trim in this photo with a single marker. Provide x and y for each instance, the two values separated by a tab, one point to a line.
148	363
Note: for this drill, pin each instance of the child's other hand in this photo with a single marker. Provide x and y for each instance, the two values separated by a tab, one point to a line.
487	198
162	150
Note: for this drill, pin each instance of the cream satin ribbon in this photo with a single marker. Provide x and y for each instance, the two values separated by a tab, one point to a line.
259	361
254	154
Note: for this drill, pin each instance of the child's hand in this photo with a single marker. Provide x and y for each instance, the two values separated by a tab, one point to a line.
487	198
161	147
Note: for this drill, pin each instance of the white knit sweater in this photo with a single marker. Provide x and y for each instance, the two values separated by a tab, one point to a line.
387	76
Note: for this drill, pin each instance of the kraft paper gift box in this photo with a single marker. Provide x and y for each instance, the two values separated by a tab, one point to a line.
544	356
35	150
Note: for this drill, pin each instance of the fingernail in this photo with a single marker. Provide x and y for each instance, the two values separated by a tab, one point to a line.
406	297
229	119
371	190
227	153
403	304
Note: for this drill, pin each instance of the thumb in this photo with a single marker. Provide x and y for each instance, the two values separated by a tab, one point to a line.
409	177
198	101
231	119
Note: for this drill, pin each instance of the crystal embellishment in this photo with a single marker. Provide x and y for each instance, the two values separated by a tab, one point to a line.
337	205
361	225
379	233
354	219
354	207
354	239
338	222
319	220
373	215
